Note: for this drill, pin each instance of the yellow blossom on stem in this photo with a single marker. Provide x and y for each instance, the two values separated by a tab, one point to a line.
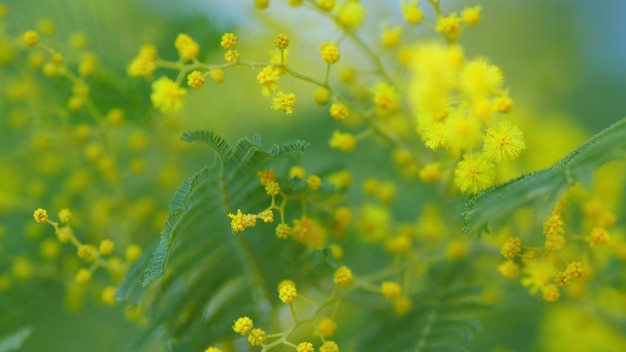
261	5
474	174
272	188
511	248
281	41
330	53
391	290
329	346
167	96
449	26
243	325
509	269
343	277
305	347
187	48
287	292
314	182
31	38
386	99
283	231
430	172
479	78
321	96
598	236
195	79
327	327
144	63
284	102
267	78
352	14
326	5
229	40
133	252
554	225
86	252
471	15
411	12
40	215
266	176
390	38
106	247
554	243
551	293
231	55
339	111
344	142
267	216
574	269
503	142
83	276
108	295
217	75
256	337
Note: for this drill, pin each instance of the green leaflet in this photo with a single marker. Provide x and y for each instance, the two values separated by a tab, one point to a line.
438	321
496	204
14	341
209	266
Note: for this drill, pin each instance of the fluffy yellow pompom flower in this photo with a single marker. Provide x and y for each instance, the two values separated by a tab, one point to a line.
256	337
326	4
305	347
281	41
195	79
480	78
187	48
352	15
449	26
267	78
167	96
509	269
329	346
503	142
474	174
345	142
339	111
412	13
284	102
229	40
287	291
327	327
31	38
511	248
272	188
330	53
40	215
343	277
471	15
243	325
283	231
391	290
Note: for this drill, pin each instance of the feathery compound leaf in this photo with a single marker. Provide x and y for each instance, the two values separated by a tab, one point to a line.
208	264
497	203
14	341
437	322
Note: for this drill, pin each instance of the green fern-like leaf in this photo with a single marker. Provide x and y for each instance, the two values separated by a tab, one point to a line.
215	275
438	321
14	341
496	204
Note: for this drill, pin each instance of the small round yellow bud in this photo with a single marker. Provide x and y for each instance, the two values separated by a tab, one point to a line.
31	38
229	40
321	95
327	327
195	79
261	4
339	111
343	277
133	252
106	247
86	252
330	53
108	295
243	325
40	215
281	41
217	75
83	276
256	336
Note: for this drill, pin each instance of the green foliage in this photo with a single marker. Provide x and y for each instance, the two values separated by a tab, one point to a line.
14	341
214	274
495	205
